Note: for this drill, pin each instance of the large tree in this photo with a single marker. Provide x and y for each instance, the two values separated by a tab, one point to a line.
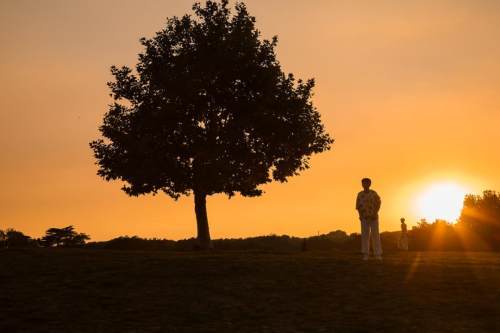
207	110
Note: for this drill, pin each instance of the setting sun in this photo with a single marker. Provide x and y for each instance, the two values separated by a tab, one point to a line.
441	201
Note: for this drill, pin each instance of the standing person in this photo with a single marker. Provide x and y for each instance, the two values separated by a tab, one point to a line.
368	204
403	240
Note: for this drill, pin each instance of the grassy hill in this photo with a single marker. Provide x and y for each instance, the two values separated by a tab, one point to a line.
130	291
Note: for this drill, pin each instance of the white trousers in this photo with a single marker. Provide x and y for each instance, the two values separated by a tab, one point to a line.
369	229
403	242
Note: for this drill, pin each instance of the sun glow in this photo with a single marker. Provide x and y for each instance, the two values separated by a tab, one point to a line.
441	201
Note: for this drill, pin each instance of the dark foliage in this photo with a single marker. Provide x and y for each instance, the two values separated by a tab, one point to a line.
262	243
11	238
133	243
207	110
335	240
438	236
272	243
480	220
63	237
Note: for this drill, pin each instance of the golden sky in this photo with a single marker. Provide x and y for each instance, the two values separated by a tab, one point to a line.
410	90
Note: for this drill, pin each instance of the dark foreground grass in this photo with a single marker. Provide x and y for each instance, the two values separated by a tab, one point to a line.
105	291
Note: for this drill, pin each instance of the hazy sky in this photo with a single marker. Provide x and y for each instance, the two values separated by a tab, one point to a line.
410	90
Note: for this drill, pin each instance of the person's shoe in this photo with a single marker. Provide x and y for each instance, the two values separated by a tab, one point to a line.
365	257
379	258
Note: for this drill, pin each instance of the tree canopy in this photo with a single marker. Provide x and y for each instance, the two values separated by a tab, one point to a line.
66	237
480	217
207	110
13	238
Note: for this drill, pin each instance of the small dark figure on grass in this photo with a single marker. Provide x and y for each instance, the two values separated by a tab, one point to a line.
403	239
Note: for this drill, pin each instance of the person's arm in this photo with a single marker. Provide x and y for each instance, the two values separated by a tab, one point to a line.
357	202
378	202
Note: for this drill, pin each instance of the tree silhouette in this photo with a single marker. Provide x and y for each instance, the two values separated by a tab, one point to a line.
14	238
3	239
208	110
480	216
66	237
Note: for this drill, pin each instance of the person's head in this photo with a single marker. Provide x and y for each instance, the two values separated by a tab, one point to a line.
366	183
402	220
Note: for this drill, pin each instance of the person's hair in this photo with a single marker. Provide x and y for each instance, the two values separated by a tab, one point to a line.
402	219
366	181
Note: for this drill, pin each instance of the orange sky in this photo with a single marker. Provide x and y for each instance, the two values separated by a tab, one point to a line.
410	90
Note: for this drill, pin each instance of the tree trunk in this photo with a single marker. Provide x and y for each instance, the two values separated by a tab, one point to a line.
200	208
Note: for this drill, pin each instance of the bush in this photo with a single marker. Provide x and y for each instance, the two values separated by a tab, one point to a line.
11	238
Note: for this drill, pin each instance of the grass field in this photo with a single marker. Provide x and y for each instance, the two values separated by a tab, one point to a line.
61	290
